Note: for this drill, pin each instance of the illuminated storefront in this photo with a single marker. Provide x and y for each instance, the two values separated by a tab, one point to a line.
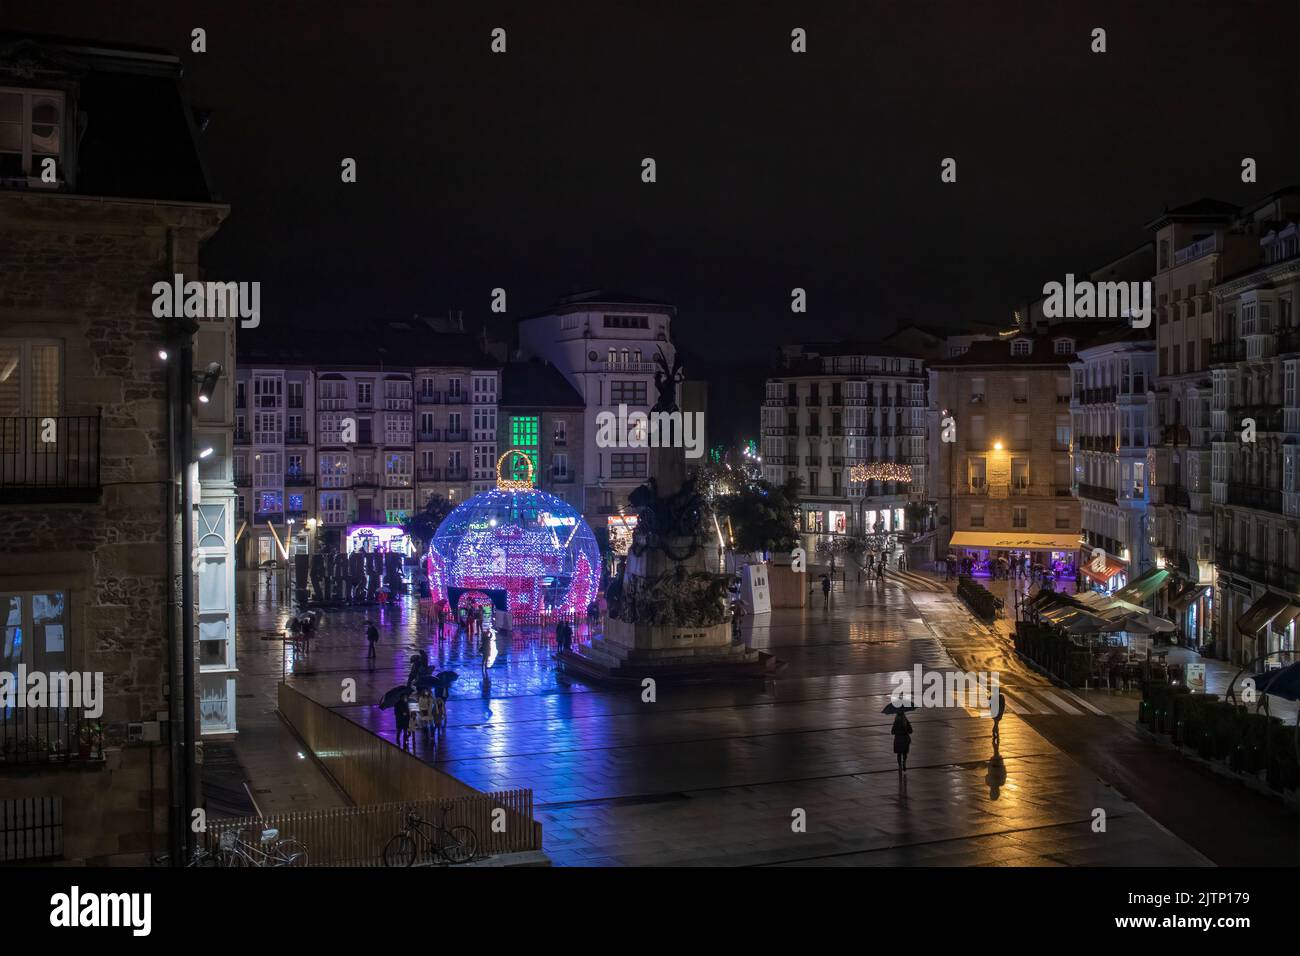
383	538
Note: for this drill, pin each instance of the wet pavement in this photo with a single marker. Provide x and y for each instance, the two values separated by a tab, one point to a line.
799	769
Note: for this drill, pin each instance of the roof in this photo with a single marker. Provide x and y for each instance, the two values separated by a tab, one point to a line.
987	353
137	139
393	344
537	384
1199	210
597	298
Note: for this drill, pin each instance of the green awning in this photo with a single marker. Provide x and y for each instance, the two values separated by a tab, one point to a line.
1141	589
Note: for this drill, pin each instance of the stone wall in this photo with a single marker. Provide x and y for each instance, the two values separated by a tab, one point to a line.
80	271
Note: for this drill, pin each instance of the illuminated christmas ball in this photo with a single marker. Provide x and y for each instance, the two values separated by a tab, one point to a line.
532	545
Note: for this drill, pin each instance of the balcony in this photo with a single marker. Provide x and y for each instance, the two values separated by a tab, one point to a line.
1102	443
48	736
243	479
298	480
433	434
1098	493
1273	572
368	480
1255	496
564	477
977	488
1195	250
813	460
65	469
428	474
774	402
812	400
814	430
629	366
1222	353
457	474
242	436
457	399
428	398
1100	396
450	435
296	438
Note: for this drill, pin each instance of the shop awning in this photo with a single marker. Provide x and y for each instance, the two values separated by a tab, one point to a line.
1111	568
1261	612
1015	541
1187	596
1142	588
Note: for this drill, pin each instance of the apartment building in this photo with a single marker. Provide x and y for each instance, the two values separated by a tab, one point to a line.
848	421
344	437
604	344
1111	427
999	449
94	481
1196	247
1255	431
540	418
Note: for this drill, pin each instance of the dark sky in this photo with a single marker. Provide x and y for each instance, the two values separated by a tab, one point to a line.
775	170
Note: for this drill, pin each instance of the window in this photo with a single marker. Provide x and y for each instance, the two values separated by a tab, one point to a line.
627	393
1062	431
561	431
627	465
1020	347
453	387
560	465
37	631
30	372
627	321
334	471
1064	346
1019	390
523	436
977	430
31	127
1062	518
397	470
1019	517
978	474
1019	476
293	466
977	516
1020	430
976	390
365	393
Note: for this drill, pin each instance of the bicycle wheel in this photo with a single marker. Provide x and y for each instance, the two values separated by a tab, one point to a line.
400	851
288	853
460	845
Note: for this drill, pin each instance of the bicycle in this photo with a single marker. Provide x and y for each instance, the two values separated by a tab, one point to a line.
233	851
425	840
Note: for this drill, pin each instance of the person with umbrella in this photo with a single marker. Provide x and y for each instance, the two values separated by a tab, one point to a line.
826	592
372	638
902	731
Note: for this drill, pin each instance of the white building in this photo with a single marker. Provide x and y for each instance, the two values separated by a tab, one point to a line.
604	344
1111	426
836	412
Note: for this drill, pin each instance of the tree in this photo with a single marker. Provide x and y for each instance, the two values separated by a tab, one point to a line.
761	514
422	525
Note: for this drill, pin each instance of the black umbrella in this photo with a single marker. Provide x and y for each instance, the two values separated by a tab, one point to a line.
426	681
445	678
892	708
395	695
1283	682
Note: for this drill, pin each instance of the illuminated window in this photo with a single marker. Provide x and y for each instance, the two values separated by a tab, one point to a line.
523	436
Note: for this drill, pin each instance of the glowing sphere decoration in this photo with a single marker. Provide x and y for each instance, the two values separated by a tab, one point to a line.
532	545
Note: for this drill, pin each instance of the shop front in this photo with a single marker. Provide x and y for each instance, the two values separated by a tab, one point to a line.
986	550
1101	572
1192	609
1269	625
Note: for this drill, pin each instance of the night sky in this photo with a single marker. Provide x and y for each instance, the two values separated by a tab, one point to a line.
775	170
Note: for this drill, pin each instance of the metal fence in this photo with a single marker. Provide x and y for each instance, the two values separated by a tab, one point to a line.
43	734
356	836
31	828
45	454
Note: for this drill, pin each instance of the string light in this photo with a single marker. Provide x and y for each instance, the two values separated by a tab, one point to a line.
881	471
531	545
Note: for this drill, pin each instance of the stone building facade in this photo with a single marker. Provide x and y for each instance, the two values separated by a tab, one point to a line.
84	582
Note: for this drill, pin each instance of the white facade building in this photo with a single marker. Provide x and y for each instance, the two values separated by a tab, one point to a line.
605	345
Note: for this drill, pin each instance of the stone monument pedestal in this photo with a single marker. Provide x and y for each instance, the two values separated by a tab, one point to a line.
631	650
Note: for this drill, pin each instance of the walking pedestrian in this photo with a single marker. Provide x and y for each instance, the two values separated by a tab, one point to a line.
442	618
485	648
402	714
902	731
826	593
372	638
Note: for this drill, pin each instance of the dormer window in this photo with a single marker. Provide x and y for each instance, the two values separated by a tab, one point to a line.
1064	346
31	125
1020	347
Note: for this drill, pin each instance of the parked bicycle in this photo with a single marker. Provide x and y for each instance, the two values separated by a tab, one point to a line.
234	851
427	841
